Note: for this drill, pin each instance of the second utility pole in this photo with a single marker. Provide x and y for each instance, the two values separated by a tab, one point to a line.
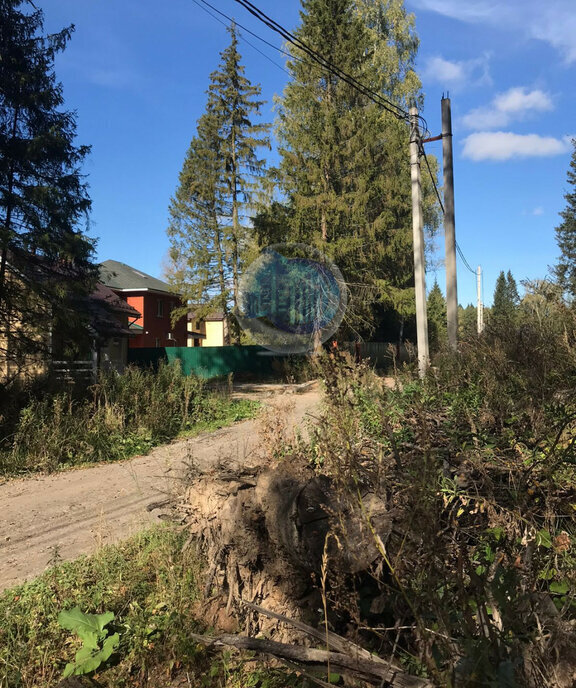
418	236
449	227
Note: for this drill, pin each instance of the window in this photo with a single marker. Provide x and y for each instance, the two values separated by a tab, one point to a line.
160	308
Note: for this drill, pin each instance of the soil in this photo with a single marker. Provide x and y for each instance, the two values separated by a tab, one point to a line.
58	517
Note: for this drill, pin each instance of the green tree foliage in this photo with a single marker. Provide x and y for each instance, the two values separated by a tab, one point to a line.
344	168
45	260
566	235
209	230
467	321
436	310
506	299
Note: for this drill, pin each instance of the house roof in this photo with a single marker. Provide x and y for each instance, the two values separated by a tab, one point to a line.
104	295
103	304
215	316
120	276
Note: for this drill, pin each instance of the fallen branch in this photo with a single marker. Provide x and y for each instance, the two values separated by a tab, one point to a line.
373	671
333	640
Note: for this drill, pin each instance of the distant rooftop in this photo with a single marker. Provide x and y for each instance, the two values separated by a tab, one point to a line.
117	275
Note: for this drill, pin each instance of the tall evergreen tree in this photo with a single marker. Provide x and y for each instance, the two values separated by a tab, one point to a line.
209	229
45	260
467	321
200	268
436	311
345	167
565	270
506	298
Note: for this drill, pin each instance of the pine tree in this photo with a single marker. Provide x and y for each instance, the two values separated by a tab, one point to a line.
506	298
512	291
200	269
436	310
344	166
467	321
209	228
565	270
45	260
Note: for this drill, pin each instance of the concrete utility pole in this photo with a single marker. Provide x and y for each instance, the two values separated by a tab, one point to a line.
479	304
449	226
418	236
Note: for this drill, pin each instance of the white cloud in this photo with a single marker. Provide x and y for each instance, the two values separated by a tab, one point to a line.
471	10
552	21
516	103
518	99
504	145
458	73
535	212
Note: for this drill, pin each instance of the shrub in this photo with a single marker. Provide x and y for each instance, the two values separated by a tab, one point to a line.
477	465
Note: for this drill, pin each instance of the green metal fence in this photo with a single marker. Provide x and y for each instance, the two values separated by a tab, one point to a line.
249	361
212	361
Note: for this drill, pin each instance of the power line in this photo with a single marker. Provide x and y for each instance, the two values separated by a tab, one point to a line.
464	259
231	20
423	152
372	95
460	253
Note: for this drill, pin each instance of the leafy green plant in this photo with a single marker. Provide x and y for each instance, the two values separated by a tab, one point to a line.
97	644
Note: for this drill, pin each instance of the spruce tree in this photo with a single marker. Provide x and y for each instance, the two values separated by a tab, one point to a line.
506	298
344	167
565	269
209	227
200	269
45	260
436	311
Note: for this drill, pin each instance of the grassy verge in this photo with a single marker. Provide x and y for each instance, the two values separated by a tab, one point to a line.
150	583
119	417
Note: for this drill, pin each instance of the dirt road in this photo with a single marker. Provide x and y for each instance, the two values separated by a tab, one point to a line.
61	516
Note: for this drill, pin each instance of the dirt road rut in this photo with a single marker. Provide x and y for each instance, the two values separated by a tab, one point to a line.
60	516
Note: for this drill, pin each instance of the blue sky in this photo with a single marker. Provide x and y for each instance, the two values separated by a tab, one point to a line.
136	72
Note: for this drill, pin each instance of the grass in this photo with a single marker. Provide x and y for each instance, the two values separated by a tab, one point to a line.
119	417
150	583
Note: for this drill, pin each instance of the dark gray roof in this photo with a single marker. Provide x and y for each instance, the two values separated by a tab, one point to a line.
117	275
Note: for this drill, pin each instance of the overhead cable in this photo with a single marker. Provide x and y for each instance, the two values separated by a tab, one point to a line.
374	96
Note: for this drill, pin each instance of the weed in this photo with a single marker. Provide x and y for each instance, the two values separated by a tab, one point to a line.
145	592
148	583
97	644
120	416
474	583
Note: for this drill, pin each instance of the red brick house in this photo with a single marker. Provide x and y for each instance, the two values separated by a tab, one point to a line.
153	299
